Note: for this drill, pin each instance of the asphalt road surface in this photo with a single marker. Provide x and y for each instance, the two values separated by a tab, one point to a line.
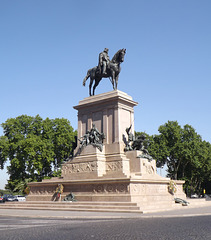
169	228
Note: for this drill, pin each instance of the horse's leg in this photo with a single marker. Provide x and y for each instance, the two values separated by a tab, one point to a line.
111	76
116	81
97	81
113	80
90	87
87	76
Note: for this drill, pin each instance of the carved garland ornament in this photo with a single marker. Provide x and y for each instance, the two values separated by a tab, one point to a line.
79	167
110	188
114	166
42	191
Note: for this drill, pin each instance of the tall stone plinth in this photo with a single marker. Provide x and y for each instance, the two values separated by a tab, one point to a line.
111	113
111	174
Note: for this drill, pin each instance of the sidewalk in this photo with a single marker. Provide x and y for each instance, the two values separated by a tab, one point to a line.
184	212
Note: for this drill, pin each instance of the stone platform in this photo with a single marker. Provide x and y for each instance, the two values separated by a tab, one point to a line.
110	175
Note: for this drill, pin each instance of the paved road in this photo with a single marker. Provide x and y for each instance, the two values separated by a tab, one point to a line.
174	228
187	223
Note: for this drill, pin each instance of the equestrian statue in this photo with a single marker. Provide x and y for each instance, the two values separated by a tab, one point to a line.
105	69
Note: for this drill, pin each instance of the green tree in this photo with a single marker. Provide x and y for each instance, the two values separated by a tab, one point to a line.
3	151
185	154
35	147
198	171
62	141
167	147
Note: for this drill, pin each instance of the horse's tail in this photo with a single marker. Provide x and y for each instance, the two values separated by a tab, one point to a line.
85	79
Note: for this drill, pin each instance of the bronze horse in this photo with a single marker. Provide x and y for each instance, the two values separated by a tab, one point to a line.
112	72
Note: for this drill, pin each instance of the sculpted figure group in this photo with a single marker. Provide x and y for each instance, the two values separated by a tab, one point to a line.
137	144
92	137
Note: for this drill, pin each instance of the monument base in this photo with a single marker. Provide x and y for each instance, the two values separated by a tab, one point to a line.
146	193
110	175
144	186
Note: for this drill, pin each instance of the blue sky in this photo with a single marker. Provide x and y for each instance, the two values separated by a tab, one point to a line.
47	46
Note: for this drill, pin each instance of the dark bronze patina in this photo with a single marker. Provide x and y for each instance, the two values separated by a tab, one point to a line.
105	69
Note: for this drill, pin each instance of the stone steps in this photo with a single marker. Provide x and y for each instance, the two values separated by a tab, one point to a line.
74	202
90	206
124	207
75	206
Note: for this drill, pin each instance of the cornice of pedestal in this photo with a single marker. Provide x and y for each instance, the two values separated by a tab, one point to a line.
105	98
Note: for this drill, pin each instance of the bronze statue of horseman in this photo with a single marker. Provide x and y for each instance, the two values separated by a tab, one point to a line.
105	69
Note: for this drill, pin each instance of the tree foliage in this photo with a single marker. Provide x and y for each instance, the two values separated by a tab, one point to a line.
185	154
3	151
34	147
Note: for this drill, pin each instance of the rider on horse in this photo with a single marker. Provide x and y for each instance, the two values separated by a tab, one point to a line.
103	61
105	69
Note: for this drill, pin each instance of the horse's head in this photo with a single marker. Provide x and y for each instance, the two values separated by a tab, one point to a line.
119	56
122	55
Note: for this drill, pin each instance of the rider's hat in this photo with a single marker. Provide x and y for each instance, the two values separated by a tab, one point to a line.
106	50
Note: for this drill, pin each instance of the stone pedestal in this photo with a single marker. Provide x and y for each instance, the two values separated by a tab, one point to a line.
112	113
91	163
110	175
